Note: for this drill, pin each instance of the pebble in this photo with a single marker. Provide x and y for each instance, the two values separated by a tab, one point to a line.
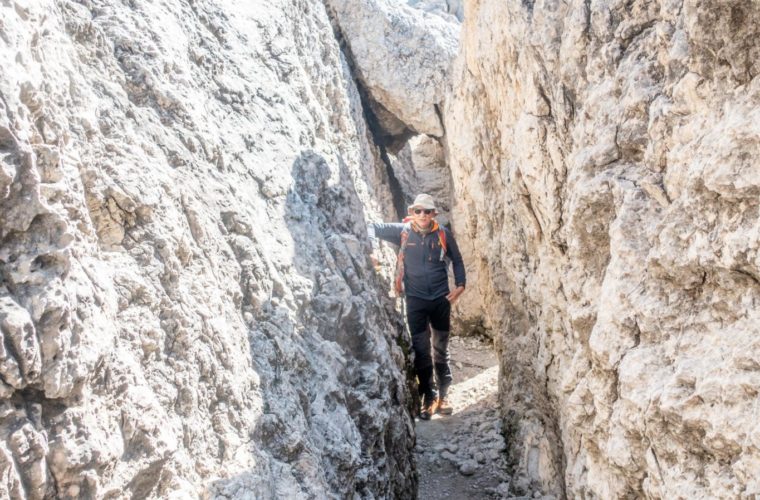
537	494
452	447
503	489
480	457
522	483
448	456
468	467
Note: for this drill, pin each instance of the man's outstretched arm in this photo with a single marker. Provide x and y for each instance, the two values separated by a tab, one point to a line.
390	232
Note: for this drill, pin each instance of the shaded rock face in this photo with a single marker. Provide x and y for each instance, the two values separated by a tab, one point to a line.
187	307
604	158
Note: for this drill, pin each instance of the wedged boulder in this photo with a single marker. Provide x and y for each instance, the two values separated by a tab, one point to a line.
448	9
401	56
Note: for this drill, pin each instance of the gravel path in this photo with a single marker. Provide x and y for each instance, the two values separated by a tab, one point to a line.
461	456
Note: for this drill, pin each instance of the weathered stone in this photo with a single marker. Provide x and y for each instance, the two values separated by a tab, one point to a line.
468	467
187	307
607	206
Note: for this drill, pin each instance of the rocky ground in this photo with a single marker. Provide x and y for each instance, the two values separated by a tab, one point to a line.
463	455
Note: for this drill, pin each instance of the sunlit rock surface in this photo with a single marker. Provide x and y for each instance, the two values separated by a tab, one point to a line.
187	306
604	161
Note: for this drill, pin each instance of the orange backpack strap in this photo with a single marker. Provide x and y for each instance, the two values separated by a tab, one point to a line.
442	241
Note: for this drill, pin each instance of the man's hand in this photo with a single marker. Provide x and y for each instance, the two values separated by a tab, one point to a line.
454	294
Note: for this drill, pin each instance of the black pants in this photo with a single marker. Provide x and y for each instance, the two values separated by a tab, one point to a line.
437	314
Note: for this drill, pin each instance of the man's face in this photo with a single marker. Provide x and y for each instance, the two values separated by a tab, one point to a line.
422	216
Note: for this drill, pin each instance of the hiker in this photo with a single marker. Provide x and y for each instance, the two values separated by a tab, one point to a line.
421	276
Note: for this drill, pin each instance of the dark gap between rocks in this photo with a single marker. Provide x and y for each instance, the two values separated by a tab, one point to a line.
382	138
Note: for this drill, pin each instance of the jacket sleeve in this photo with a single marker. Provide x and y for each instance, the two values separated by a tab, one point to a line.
452	250
387	232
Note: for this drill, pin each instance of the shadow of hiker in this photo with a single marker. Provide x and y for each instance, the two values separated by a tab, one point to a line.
336	407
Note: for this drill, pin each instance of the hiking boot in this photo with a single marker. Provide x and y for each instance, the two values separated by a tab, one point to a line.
444	408
428	410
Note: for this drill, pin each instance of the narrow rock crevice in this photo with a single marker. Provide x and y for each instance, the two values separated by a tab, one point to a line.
187	284
383	141
382	138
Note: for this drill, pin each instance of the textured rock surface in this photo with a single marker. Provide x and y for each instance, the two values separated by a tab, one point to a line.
402	57
604	157
187	306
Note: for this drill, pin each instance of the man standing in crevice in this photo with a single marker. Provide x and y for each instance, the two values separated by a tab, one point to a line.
425	250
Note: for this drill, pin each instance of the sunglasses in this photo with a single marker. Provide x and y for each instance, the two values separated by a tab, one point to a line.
428	211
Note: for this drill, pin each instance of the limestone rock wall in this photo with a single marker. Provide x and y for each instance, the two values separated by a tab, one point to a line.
604	159
187	306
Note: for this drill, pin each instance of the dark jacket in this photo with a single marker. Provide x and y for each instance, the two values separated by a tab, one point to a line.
425	275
